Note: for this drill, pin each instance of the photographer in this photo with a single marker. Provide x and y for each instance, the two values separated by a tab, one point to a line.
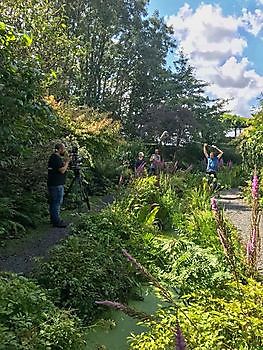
56	179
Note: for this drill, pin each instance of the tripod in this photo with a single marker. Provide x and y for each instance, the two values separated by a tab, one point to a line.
80	187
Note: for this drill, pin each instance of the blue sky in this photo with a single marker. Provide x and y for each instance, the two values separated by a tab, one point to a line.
224	42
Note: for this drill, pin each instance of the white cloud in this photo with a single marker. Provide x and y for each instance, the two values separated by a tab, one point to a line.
252	22
215	47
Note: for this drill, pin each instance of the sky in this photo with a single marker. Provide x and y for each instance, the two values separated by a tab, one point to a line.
223	40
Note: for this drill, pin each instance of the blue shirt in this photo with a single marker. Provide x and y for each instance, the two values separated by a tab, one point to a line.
212	164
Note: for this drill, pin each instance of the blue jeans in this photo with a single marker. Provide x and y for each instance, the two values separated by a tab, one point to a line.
56	194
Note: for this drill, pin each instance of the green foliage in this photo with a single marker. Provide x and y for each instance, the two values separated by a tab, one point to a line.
234	122
234	322
247	188
43	27
231	178
88	266
147	193
251	141
190	267
29	320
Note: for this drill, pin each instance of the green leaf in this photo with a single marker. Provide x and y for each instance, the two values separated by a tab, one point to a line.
27	40
2	26
53	74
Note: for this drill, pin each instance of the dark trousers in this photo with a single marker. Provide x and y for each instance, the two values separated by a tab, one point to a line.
211	172
56	194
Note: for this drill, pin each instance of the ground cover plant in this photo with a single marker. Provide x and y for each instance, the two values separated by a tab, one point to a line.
89	265
29	320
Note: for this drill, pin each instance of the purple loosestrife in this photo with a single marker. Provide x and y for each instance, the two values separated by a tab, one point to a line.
255	186
180	341
220	225
254	237
253	246
125	309
165	293
230	164
250	251
223	235
214	205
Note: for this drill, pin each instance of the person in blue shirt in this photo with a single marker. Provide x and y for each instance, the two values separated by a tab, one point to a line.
212	160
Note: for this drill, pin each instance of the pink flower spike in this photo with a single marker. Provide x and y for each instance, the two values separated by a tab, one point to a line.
180	341
214	205
255	186
254	237
250	250
112	304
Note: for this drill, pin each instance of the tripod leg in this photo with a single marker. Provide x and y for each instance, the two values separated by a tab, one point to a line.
70	187
84	194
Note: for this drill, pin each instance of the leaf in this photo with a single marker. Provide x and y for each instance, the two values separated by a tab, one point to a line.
53	74
2	26
150	219
27	40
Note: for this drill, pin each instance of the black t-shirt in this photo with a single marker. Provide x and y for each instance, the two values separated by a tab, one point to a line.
139	163
55	177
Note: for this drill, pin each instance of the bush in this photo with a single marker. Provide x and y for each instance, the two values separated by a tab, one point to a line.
30	321
231	178
233	322
88	267
191	267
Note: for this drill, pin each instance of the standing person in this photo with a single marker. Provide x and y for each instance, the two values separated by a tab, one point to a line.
212	160
56	179
155	162
140	165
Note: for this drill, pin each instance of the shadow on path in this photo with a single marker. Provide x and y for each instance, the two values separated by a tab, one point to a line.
19	255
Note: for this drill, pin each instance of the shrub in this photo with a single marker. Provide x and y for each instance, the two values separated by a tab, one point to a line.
30	321
87	267
191	267
231	178
227	321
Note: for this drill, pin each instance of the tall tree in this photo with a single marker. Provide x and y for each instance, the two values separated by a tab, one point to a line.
185	110
51	43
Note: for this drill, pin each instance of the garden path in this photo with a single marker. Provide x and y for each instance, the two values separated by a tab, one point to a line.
239	213
19	255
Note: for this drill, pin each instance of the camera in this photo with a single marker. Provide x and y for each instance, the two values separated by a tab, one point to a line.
76	160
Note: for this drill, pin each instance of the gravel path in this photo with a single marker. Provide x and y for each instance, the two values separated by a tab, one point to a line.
239	214
19	255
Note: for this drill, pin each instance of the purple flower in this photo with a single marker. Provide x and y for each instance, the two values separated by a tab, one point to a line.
111	304
180	341
254	237
131	259
125	309
250	250
214	205
255	186
165	293
230	164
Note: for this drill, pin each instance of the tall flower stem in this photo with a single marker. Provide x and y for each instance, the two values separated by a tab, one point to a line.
164	292
223	236
227	248
254	243
125	309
